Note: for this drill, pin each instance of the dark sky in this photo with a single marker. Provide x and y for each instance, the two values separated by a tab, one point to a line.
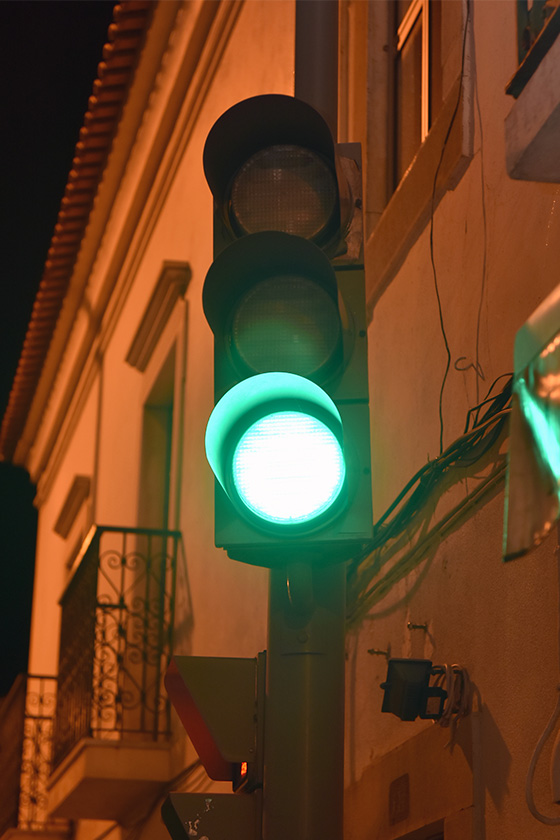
49	52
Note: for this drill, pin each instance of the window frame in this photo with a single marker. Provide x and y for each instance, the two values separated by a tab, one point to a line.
438	165
419	9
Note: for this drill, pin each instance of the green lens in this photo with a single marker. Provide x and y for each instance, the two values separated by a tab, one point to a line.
287	323
288	468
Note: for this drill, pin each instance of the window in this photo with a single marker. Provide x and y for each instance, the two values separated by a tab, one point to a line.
156	467
159	338
406	96
417	77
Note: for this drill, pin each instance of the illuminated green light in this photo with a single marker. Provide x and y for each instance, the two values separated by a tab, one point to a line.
288	468
250	395
542	416
273	456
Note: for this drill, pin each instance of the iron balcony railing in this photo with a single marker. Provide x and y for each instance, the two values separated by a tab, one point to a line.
116	638
26	730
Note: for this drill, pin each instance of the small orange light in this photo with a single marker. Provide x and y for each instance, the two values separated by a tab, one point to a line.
244	768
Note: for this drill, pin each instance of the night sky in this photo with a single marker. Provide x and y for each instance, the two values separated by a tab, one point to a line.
49	52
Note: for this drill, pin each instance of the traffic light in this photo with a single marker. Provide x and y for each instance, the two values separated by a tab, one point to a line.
220	702
288	439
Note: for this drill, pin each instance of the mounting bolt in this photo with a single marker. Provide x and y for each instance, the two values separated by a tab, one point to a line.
385	653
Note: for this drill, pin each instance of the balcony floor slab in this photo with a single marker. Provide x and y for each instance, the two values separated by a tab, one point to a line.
108	780
46	833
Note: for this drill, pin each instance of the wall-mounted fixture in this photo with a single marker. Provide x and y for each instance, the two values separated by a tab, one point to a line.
408	693
413	688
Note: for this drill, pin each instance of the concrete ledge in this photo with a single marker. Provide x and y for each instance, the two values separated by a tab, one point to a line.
45	833
532	127
108	780
421	789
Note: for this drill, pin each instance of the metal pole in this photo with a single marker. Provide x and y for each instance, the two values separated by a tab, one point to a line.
316	63
304	719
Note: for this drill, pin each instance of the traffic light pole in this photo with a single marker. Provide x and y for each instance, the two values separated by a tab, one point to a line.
316	57
288	441
304	719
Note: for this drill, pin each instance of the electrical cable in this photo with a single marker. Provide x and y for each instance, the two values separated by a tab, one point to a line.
432	259
554	718
459	697
484	222
361	598
480	435
485	424
489	399
464	451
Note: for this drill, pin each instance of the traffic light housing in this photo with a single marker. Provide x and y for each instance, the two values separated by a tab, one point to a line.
220	702
270	162
289	438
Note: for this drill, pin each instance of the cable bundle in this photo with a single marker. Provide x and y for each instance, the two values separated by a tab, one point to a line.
457	684
416	502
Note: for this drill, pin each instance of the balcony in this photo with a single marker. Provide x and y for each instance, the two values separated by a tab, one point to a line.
532	127
26	729
112	721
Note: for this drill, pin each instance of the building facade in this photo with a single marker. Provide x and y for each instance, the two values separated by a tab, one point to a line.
114	389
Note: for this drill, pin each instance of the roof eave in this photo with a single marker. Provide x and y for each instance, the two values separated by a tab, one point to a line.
116	72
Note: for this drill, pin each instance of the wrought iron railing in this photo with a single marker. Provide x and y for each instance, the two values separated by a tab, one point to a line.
116	638
12	713
26	729
36	754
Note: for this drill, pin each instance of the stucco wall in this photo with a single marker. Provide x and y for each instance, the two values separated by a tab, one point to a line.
496	245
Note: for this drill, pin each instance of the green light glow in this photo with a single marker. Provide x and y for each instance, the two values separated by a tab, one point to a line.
249	395
288	468
543	417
